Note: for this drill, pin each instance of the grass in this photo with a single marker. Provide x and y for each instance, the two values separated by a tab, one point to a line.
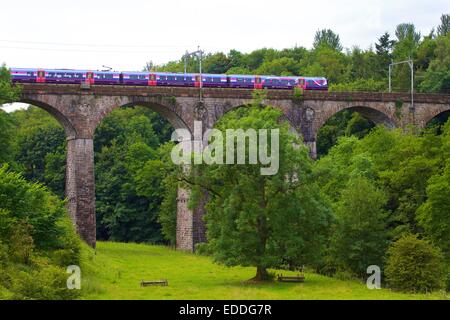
115	271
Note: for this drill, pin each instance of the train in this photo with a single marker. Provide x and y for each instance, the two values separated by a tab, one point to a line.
166	79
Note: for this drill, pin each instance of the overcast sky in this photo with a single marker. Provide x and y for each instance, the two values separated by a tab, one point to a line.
87	34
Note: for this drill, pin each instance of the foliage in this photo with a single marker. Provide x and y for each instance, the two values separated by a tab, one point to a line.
352	69
437	76
124	142
444	27
359	238
257	220
37	241
8	93
329	38
157	179
414	265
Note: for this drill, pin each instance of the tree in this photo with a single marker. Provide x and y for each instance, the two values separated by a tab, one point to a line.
407	31
437	76
414	265
157	180
384	53
125	142
433	214
37	241
261	220
329	38
444	27
41	153
8	93
360	238
408	40
216	63
280	66
358	126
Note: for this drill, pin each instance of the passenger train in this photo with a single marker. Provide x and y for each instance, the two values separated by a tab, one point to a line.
67	76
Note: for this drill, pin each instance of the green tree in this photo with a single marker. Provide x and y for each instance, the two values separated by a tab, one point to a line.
384	53
329	38
405	48
259	220
124	142
444	27
216	63
157	180
433	213
280	66
437	76
8	93
359	239
414	265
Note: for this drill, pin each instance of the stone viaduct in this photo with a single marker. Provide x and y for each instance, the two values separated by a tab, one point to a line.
79	110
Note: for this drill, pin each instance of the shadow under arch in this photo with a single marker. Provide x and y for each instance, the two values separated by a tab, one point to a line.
69	129
441	117
284	116
374	115
164	111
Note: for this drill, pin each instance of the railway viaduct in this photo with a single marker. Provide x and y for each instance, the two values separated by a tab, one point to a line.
79	110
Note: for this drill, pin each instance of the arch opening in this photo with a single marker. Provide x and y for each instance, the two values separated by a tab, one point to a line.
62	120
40	144
130	152
357	121
437	122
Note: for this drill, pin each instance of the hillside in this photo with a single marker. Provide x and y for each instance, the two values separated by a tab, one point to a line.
116	269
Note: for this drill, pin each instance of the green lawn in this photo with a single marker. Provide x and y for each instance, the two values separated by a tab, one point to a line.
115	272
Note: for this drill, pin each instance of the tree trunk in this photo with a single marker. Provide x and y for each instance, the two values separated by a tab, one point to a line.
261	274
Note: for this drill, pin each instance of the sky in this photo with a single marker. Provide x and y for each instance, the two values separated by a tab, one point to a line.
124	35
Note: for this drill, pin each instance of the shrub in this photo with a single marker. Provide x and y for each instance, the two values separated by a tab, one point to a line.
45	283
414	265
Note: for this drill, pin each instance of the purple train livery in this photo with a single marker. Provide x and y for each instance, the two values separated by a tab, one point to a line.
67	76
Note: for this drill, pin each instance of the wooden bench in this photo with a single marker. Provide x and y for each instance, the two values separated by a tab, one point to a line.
163	283
299	278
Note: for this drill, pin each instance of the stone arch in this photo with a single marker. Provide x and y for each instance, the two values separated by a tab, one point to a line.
323	112
189	223
67	125
168	109
290	114
373	114
436	112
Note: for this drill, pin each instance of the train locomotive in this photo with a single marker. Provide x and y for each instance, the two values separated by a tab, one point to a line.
66	76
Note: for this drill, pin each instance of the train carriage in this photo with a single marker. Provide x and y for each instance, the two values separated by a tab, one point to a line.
68	76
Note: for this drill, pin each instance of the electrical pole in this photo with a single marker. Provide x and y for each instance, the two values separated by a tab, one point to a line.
199	55
410	62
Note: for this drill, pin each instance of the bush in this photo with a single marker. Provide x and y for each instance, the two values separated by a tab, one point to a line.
414	265
45	283
37	241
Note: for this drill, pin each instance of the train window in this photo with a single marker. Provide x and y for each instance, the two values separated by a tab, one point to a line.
41	74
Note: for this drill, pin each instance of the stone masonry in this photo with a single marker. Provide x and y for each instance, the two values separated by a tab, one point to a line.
80	110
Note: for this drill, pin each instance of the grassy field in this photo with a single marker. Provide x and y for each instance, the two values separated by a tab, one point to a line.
116	269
